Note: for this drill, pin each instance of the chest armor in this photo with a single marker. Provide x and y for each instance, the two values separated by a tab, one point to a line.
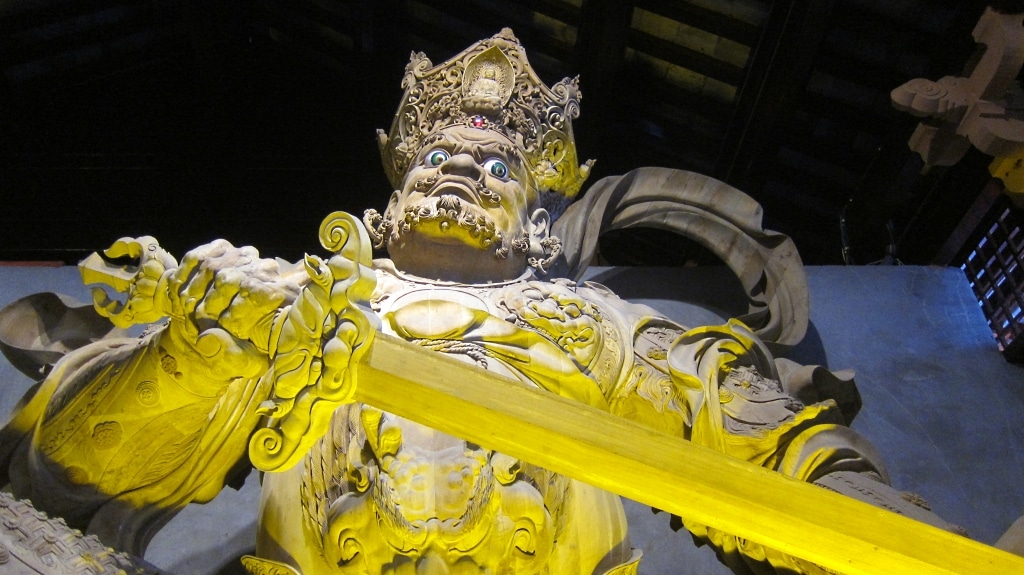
384	492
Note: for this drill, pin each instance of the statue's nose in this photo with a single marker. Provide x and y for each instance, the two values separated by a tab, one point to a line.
462	165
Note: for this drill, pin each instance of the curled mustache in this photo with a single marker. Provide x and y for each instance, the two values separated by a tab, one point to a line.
447	210
489	195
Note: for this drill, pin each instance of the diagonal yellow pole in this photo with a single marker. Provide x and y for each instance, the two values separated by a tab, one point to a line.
662	471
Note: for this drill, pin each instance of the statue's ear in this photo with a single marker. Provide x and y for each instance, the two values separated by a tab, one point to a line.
540	229
387	158
544	247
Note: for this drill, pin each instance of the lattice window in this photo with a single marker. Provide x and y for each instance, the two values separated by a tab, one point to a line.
995	269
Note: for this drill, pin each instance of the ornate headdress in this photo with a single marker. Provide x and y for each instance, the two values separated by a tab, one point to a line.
491	86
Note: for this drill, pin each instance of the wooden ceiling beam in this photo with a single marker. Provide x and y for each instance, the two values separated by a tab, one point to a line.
600	62
880	78
324	14
681	124
783	198
685	57
81	31
708	20
844	146
820	187
657	90
775	74
21	16
556	9
479	16
332	40
682	154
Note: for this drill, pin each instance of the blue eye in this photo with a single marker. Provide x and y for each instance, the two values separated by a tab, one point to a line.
437	157
497	168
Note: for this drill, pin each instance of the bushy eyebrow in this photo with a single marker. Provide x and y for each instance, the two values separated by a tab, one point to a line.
479	150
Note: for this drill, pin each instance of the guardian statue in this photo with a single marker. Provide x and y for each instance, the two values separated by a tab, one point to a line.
250	360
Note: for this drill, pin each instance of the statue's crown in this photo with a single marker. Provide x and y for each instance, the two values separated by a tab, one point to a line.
491	86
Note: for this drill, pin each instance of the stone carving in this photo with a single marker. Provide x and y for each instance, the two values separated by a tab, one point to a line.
258	566
32	543
255	358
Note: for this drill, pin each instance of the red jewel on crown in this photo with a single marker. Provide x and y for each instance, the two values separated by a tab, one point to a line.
478	121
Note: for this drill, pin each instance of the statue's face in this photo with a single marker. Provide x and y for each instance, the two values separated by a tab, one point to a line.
468	189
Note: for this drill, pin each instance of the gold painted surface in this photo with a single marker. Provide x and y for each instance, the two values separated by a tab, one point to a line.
1010	169
665	472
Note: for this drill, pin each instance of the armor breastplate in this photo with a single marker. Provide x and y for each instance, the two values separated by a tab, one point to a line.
380	492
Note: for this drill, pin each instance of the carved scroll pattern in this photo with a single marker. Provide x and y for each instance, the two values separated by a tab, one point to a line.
312	345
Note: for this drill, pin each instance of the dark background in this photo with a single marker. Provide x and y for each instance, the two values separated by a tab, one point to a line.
195	119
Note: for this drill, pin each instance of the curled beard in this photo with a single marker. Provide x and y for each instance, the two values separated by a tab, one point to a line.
449	211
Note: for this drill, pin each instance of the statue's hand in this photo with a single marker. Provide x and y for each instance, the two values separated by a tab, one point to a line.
223	301
231	289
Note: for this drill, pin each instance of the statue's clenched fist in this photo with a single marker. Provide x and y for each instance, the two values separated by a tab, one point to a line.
219	286
236	315
221	299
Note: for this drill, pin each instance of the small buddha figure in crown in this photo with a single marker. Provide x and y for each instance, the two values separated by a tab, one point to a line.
484	94
252	363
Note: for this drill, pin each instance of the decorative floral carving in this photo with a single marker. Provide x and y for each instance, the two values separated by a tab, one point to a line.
148	393
312	345
107	434
555	311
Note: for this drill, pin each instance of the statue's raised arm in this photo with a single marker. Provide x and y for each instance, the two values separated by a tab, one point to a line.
123	433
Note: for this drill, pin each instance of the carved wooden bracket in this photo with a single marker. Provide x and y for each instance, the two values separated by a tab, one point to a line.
985	109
